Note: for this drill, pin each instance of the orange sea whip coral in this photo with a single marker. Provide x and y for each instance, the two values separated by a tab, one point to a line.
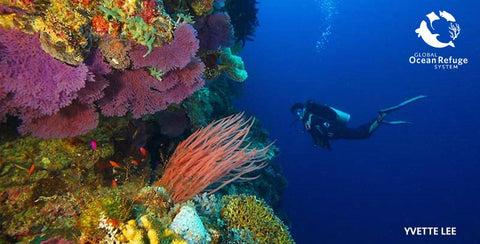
216	153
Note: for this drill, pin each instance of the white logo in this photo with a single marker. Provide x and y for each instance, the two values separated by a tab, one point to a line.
432	38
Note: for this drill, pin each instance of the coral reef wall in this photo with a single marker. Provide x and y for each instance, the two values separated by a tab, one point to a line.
95	98
106	58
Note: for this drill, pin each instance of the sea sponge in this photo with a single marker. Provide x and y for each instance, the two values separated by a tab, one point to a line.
188	224
247	214
115	51
233	65
65	32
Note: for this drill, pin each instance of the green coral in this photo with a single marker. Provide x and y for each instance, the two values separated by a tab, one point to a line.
251	215
233	65
114	13
155	31
156	73
141	32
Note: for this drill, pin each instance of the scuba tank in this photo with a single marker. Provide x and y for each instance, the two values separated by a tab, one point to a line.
342	117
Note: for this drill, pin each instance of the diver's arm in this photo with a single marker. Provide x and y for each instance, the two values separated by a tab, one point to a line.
308	123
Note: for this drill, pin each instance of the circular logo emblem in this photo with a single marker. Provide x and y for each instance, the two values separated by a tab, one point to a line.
440	34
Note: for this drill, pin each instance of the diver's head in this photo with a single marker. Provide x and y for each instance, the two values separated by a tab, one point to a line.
298	109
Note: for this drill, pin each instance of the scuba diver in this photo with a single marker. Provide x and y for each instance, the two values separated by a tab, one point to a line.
325	123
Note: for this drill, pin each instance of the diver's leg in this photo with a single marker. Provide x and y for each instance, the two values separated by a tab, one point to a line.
365	131
315	136
360	132
376	122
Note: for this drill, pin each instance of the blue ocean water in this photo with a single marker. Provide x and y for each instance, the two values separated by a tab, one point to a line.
354	56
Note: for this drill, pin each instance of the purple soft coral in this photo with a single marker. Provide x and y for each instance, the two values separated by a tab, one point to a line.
140	93
73	120
215	31
174	55
33	78
96	82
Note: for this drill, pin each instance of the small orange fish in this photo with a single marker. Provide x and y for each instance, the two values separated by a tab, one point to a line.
30	172
135	162
144	160
143	151
28	2
114	183
114	164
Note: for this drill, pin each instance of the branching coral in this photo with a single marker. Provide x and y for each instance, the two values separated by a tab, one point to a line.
253	217
213	154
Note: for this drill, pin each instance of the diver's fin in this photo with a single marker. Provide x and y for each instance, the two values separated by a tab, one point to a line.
402	104
397	122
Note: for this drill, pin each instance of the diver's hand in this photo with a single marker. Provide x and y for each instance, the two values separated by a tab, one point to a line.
308	125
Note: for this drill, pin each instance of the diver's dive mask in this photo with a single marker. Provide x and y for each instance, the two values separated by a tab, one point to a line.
300	113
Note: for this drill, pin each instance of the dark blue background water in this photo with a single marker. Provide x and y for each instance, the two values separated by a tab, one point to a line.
425	174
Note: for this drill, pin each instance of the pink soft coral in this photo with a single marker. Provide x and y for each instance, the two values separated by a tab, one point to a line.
138	92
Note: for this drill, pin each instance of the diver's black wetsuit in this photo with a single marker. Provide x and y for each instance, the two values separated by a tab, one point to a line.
324	125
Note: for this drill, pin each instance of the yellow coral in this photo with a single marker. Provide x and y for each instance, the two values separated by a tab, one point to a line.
170	234
131	233
201	7
253	215
147	232
65	32
151	232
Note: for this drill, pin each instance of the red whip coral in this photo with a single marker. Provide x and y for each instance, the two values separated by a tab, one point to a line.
216	153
